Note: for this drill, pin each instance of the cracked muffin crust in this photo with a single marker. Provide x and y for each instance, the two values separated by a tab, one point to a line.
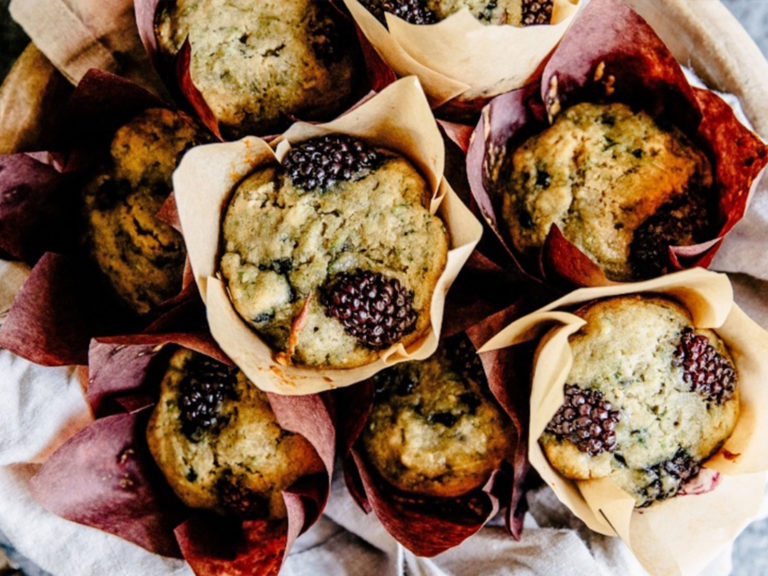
330	275
514	12
435	430
141	256
617	184
215	438
257	64
649	397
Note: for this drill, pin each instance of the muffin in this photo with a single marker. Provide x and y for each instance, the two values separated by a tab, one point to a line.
619	186
648	398
514	12
257	64
141	257
333	255
434	429
215	438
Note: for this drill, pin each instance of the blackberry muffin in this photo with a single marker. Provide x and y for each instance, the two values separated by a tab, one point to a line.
257	64
215	438
141	256
333	256
514	12
648	398
434	430
618	185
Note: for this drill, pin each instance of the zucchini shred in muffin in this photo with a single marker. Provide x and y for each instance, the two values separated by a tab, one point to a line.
215	438
619	185
257	64
333	256
435	430
513	12
141	256
648	398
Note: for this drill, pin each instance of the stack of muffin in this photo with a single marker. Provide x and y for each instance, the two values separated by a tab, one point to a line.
322	239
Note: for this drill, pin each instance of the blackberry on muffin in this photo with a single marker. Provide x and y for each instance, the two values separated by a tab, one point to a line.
619	185
141	257
219	445
648	399
434	430
514	12
333	255
259	64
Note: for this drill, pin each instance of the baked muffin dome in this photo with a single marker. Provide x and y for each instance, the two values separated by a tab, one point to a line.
434	429
333	256
649	397
618	185
257	64
141	256
514	12
215	438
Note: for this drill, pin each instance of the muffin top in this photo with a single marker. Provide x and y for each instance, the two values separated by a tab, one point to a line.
258	63
617	184
333	256
434	429
649	397
215	438
141	256
514	12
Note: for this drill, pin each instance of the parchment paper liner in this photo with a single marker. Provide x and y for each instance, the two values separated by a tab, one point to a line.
610	54
397	118
459	57
429	526
65	301
680	535
105	476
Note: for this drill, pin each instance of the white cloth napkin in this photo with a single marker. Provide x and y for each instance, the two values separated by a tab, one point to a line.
41	407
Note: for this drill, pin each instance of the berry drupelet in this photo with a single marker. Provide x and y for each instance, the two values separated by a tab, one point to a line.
319	163
587	420
206	384
373	308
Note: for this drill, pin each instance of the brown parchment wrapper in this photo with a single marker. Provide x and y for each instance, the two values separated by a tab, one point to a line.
397	118
460	57
683	534
105	476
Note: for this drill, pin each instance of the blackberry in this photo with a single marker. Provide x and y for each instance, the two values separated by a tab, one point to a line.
412	11
585	419
237	500
705	370
536	12
328	35
318	163
375	309
399	380
205	385
665	479
464	358
681	222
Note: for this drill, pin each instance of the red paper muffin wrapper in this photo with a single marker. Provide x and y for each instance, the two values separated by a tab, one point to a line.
65	301
429	526
611	54
105	476
175	71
